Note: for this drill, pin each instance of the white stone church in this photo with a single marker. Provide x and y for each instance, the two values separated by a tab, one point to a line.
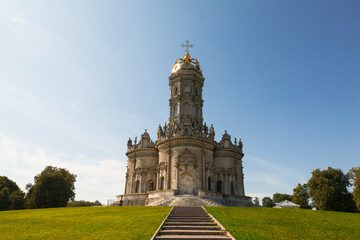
185	162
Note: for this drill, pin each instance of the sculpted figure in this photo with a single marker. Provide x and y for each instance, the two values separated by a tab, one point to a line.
160	132
240	144
212	132
129	143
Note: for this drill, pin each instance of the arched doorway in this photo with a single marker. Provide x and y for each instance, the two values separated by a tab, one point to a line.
137	186
186	183
162	183
150	185
219	186
232	188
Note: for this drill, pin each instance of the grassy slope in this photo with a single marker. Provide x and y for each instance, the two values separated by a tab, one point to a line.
265	223
82	223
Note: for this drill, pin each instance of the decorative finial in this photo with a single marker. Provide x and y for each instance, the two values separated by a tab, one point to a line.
187	45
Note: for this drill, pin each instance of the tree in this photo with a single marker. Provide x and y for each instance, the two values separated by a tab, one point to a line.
256	201
354	175
328	188
279	197
53	187
83	203
301	196
268	202
4	199
6	182
11	197
17	200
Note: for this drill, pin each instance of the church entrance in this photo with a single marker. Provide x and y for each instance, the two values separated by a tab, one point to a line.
186	183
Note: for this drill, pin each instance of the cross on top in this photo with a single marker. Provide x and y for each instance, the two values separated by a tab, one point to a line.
187	45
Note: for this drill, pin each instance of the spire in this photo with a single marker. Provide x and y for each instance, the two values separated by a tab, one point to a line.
187	45
187	61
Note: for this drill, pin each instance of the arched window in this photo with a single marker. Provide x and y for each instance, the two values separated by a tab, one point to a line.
137	186
162	183
198	91
186	132
209	183
219	186
175	91
187	89
196	111
186	108
176	110
232	187
150	185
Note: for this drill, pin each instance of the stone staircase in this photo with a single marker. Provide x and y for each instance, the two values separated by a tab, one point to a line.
186	200
192	223
162	202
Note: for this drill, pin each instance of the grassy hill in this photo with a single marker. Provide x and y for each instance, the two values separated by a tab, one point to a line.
142	222
269	223
82	223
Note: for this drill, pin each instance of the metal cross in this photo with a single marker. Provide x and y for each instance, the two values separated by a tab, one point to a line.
187	45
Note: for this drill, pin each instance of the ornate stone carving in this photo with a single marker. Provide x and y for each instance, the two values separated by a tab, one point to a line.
185	154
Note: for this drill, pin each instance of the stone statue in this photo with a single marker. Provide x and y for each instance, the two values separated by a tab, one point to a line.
240	145
129	143
160	132
211	132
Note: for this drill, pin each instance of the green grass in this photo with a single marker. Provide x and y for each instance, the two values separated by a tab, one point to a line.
267	223
82	223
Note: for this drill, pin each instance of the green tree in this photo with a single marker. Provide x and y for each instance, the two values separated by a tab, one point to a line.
279	197
268	202
256	201
328	188
17	200
4	199
83	203
53	187
6	182
354	175
301	196
11	198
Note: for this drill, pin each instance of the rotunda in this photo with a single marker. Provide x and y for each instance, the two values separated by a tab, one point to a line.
185	160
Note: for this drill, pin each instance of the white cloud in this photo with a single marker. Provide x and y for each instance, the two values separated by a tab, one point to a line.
264	176
97	179
74	106
18	20
259	195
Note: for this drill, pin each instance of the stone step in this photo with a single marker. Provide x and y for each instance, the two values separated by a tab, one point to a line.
188	216
188	220
191	227
191	232
192	237
176	217
190	223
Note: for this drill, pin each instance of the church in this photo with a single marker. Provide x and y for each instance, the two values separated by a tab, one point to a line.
185	162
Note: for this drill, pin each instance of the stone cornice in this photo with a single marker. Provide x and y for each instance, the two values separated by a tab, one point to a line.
221	151
186	74
188	140
142	151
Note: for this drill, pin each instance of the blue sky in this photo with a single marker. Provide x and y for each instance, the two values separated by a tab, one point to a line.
77	78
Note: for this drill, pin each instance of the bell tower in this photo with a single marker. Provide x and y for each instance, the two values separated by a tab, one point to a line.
186	159
186	82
